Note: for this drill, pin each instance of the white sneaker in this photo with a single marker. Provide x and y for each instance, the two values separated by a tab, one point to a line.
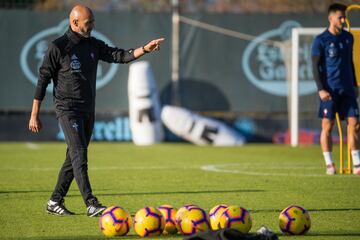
57	208
330	169
94	207
356	170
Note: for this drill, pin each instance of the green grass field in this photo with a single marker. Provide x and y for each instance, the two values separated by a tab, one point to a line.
262	178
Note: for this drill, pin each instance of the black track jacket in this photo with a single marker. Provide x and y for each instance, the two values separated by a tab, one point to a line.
71	62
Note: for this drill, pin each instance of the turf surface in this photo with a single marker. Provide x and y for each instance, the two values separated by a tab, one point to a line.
262	178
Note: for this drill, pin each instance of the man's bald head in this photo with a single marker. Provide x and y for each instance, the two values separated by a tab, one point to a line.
82	20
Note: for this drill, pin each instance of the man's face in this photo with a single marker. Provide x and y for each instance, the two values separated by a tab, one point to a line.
86	25
337	19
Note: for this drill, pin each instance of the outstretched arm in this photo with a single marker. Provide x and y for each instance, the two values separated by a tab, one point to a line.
118	55
152	46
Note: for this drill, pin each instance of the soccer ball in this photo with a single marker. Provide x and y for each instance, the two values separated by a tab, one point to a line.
236	217
214	215
193	221
169	213
115	221
182	210
149	221
294	220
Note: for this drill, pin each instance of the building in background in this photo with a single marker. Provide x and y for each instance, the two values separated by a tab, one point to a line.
213	6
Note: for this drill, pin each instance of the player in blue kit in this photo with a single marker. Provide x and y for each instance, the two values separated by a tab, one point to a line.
333	69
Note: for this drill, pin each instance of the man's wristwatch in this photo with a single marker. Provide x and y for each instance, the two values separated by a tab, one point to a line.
144	50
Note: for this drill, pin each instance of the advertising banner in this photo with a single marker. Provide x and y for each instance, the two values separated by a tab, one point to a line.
245	73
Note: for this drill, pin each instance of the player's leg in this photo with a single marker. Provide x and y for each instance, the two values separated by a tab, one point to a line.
74	131
327	114
94	207
65	178
326	144
353	125
56	203
353	133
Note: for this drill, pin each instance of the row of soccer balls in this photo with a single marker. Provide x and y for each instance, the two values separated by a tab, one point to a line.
191	219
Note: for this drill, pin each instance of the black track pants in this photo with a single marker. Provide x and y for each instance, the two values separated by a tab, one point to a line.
77	130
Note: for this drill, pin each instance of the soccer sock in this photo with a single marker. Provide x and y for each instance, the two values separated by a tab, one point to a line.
356	157
328	158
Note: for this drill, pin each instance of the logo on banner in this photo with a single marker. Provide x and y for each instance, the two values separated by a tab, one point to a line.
34	49
264	63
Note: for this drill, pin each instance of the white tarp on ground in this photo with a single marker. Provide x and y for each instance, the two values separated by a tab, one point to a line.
198	129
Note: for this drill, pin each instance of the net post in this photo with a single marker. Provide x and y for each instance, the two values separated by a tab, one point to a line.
294	90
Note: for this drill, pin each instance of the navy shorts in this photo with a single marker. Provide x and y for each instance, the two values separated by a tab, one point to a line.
345	105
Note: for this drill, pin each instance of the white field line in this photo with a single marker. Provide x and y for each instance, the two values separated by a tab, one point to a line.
32	146
221	168
246	168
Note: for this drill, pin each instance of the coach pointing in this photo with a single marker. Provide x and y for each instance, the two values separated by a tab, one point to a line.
71	62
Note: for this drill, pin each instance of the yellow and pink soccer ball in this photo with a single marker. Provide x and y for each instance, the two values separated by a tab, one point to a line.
193	220
214	215
294	220
115	221
169	213
237	218
183	209
148	222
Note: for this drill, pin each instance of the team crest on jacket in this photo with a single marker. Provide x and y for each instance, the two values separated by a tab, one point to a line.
75	64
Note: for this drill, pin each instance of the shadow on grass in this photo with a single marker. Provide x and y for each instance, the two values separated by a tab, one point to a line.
320	234
178	236
73	191
131	236
74	237
137	193
181	192
311	210
4	192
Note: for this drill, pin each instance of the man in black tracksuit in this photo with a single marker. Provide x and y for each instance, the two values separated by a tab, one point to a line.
71	62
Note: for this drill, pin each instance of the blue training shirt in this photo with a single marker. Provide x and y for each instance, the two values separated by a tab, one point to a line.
335	54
